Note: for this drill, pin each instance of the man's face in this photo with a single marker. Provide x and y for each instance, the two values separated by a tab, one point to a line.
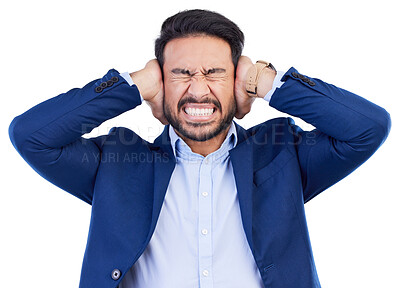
199	99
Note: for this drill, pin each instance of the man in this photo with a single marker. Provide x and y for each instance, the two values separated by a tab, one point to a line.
208	204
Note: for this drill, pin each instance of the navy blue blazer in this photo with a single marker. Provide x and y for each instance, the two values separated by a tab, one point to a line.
277	166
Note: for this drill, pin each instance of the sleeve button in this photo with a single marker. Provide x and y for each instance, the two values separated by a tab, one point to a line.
98	89
114	79
109	83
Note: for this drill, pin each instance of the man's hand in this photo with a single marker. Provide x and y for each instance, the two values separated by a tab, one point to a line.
243	100
151	87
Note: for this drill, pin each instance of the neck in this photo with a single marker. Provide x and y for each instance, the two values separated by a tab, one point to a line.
206	147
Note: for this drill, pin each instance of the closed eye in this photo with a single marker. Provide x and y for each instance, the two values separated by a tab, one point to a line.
215	71
180	74
186	75
179	71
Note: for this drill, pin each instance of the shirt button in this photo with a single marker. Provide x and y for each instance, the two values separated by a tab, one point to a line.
115	274
204	231
205	273
205	194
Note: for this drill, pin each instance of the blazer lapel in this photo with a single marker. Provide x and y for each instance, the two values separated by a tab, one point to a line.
164	165
242	162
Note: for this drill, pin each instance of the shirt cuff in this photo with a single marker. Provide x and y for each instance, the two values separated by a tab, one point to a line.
276	84
128	79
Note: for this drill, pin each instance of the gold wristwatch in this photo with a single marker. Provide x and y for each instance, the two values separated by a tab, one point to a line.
254	74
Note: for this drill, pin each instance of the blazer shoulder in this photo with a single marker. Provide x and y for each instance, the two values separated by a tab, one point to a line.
121	138
274	127
272	137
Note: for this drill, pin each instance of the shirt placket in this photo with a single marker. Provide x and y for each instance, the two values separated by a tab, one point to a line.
205	222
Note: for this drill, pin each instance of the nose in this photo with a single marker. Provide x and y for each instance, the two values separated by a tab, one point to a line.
198	86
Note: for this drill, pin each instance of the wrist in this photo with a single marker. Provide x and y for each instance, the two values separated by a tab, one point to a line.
146	87
265	82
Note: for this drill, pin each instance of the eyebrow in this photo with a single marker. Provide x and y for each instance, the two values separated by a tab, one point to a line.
216	70
180	71
187	72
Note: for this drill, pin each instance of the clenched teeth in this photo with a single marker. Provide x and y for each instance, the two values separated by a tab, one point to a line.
199	111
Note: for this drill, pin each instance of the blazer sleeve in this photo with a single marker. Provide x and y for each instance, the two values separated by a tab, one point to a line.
349	129
48	136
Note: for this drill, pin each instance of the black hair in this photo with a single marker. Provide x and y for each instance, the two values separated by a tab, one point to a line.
200	22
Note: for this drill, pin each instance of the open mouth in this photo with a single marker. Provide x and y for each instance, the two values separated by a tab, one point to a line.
199	112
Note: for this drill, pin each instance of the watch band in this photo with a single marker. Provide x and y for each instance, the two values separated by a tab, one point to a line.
254	75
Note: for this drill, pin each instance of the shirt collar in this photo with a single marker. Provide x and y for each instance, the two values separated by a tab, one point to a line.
180	148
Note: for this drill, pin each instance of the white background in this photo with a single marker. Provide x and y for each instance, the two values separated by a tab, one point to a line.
49	47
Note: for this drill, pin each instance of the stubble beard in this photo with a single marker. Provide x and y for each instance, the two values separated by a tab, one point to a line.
208	133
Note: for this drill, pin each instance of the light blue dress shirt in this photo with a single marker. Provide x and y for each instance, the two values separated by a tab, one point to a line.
199	240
